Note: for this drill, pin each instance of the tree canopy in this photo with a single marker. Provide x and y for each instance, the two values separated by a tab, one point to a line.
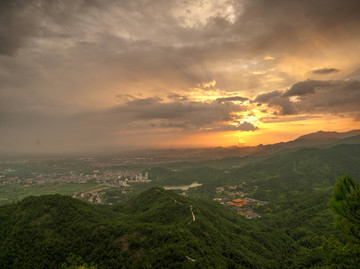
346	205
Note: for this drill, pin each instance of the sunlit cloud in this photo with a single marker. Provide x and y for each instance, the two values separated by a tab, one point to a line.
197	14
210	84
269	58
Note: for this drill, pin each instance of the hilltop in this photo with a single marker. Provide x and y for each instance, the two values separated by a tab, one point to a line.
325	136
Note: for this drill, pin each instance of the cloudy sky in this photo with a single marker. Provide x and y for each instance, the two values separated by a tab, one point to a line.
93	74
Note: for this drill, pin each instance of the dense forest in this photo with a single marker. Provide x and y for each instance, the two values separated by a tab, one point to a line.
157	229
161	229
311	219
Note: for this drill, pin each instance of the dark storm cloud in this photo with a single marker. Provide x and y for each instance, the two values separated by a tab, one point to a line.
261	23
287	107
243	127
280	25
316	97
148	41
265	97
185	113
144	102
325	71
177	97
305	87
287	119
132	122
21	20
231	99
275	98
15	26
125	97
333	97
301	88
246	126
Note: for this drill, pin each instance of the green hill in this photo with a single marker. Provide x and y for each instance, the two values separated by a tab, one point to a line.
298	186
157	229
303	169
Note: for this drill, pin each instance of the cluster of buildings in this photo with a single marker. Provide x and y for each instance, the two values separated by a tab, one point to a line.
10	180
91	197
243	206
121	178
6	179
122	175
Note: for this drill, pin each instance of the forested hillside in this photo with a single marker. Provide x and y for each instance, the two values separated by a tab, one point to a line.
157	229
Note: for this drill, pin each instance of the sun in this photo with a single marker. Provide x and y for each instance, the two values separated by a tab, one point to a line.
241	141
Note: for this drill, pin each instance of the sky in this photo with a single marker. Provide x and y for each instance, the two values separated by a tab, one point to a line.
82	75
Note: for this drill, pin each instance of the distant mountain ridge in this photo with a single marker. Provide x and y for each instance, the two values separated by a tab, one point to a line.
321	135
319	138
172	155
